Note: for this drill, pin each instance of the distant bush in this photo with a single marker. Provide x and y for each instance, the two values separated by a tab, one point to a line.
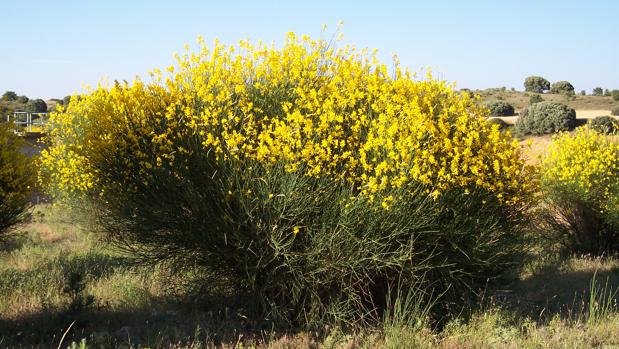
562	87
36	106
583	92
598	91
17	178
22	99
580	191
545	118
607	93
615	95
500	108
9	96
535	98
604	124
536	84
615	111
66	100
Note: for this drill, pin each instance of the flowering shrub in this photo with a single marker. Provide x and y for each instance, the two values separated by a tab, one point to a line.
579	178
308	175
337	113
16	180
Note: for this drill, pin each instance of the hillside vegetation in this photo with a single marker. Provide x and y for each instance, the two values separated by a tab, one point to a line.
520	100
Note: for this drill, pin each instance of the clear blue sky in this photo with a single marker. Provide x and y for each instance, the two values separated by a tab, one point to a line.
51	48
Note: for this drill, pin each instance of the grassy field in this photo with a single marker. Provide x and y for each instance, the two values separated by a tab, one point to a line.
57	277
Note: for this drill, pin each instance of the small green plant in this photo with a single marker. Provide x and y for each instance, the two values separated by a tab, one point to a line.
562	87
81	345
536	84
76	284
604	124
535	98
500	108
545	118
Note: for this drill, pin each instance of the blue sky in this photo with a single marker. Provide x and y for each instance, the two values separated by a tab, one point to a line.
52	48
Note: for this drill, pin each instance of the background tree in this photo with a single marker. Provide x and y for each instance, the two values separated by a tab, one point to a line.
536	84
9	96
598	91
615	95
36	106
562	87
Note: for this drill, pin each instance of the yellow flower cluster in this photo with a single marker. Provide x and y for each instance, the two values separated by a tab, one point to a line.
335	112
586	162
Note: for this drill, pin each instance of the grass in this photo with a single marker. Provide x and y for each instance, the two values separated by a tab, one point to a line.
55	272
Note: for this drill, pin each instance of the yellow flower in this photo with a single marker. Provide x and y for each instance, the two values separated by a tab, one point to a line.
343	115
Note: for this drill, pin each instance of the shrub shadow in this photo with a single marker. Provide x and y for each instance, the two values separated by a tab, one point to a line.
163	322
553	292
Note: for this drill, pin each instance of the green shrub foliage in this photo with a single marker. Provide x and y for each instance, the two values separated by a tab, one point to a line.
598	91
562	87
301	249
500	108
535	98
615	111
615	95
16	180
536	84
604	124
545	118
